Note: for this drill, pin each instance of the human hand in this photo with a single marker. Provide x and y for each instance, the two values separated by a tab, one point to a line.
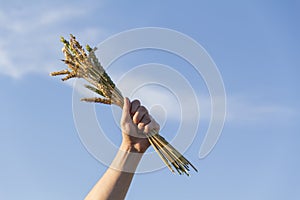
136	122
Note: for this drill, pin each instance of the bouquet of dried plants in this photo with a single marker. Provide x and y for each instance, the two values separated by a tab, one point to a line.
82	64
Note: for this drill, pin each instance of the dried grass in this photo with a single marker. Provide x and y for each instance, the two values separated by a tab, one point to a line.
87	66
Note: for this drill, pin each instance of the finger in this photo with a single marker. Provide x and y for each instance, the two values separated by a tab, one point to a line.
141	130
126	110
139	114
141	127
134	106
146	119
152	126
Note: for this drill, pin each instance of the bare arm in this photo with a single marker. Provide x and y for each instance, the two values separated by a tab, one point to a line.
135	123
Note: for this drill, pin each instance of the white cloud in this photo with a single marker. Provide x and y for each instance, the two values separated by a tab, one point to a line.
29	37
29	43
243	110
5	63
240	108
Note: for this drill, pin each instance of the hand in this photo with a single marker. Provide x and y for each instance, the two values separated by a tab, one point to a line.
136	122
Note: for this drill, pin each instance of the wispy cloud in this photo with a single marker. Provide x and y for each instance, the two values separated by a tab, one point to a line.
29	37
240	108
244	110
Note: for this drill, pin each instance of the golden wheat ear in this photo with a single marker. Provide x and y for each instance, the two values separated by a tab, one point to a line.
87	66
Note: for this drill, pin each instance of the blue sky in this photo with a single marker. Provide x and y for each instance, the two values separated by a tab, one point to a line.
253	43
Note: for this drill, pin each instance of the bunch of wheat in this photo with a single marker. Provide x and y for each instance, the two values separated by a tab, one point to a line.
87	66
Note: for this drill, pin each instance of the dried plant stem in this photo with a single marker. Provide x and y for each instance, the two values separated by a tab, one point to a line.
161	155
178	155
88	67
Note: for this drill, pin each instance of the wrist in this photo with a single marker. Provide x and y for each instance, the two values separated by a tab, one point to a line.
127	159
132	148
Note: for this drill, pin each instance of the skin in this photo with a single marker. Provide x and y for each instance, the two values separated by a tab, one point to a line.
136	122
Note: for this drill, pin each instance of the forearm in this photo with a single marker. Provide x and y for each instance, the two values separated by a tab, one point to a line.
115	182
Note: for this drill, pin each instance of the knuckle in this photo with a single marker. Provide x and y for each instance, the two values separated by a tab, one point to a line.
143	109
141	126
147	120
136	102
135	119
134	106
147	129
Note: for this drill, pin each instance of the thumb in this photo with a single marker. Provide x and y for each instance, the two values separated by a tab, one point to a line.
126	110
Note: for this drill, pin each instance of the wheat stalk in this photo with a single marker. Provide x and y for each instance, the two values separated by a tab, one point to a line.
87	66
